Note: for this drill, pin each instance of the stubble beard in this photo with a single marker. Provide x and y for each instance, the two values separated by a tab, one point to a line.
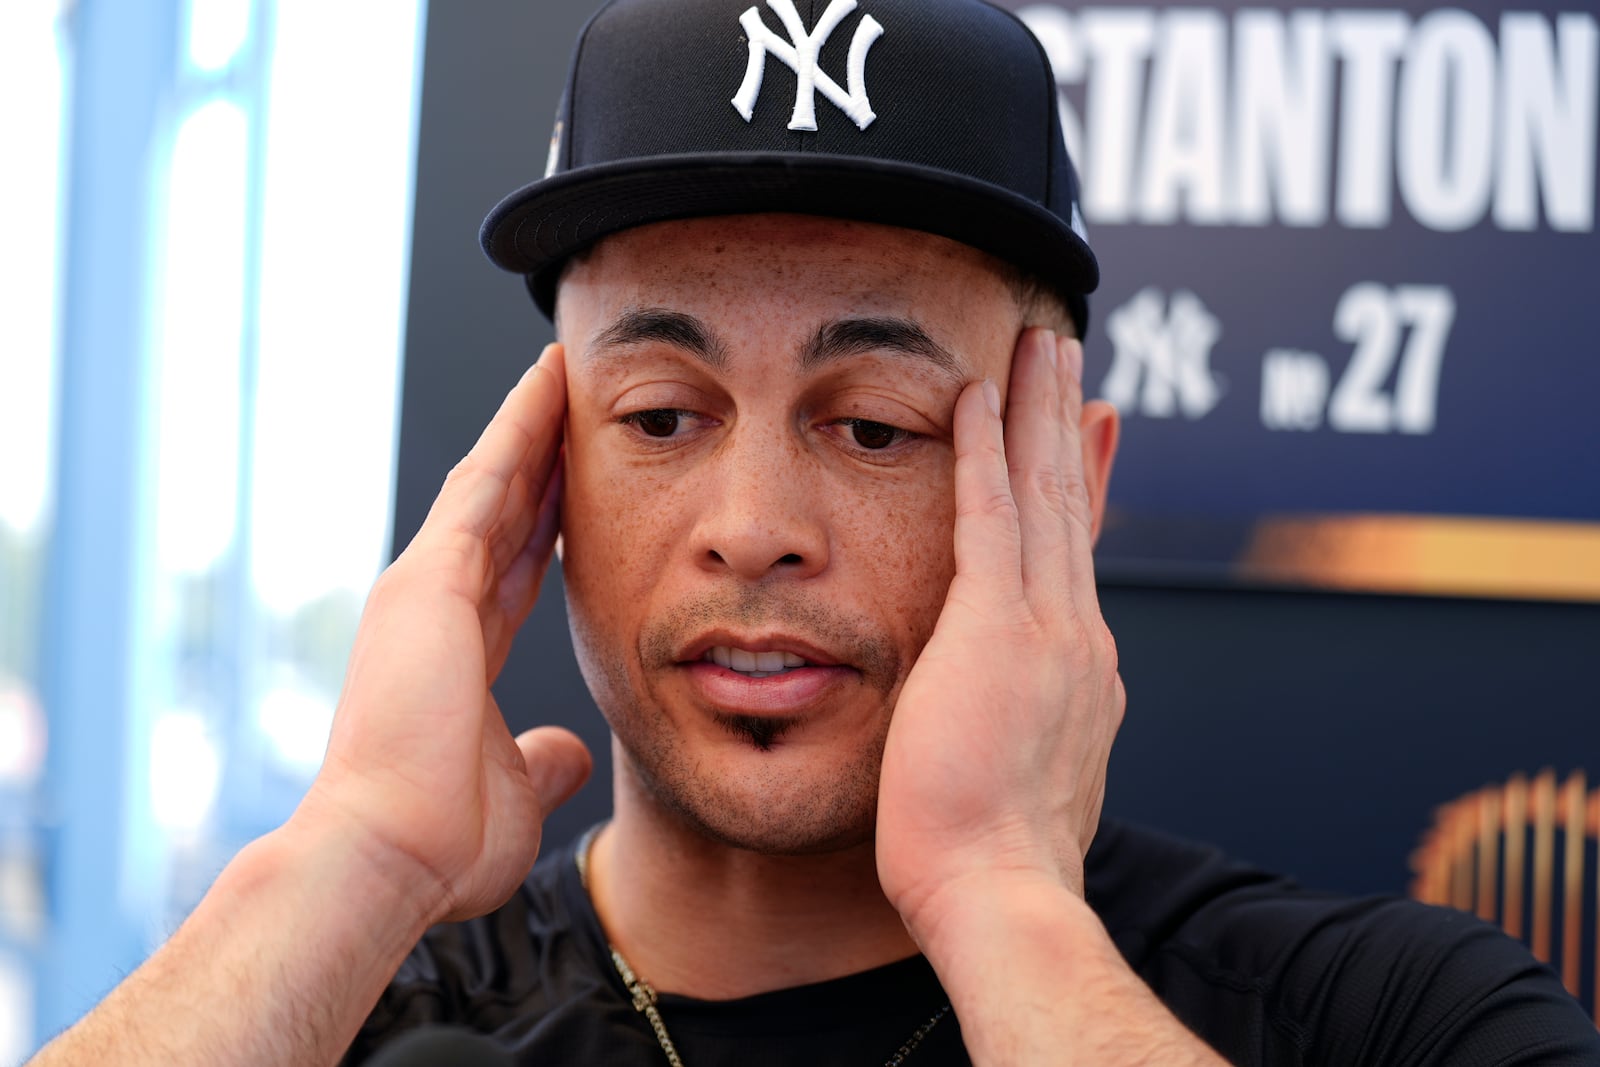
776	809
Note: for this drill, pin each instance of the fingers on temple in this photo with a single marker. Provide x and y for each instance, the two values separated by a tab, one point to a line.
1080	558
530	517
522	571
495	488
1045	441
988	543
1039	463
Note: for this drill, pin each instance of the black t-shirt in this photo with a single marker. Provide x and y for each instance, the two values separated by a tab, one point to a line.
1268	973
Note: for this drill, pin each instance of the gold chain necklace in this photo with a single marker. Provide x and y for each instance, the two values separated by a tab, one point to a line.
644	995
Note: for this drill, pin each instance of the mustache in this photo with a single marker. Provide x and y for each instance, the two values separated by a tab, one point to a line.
853	640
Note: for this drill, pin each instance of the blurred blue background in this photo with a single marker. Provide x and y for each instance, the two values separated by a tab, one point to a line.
198	390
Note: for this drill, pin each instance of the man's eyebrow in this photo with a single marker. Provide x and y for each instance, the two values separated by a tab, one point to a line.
637	326
843	338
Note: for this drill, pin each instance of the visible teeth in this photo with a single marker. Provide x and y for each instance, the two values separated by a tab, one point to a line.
755	664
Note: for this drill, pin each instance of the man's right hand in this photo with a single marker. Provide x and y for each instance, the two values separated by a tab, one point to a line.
425	808
420	764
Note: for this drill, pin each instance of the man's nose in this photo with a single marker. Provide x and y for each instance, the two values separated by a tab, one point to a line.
764	510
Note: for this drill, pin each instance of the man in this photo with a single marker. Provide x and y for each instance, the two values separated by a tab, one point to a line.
815	441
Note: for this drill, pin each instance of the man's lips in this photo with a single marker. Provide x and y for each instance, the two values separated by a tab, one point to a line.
791	692
744	650
762	675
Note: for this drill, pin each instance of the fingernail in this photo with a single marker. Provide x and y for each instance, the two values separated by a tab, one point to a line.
1048	340
991	393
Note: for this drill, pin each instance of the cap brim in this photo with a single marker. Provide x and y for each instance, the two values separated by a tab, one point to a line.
536	229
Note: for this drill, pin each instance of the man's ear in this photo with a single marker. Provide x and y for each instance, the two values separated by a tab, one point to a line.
1100	427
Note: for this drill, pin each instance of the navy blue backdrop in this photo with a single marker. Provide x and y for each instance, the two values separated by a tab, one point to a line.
1350	266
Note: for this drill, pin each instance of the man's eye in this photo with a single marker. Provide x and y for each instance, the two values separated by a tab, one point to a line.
658	422
874	436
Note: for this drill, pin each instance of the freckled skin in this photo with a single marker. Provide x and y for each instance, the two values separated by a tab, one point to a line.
760	515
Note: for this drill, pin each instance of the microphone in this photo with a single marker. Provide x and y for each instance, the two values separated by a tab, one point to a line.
442	1046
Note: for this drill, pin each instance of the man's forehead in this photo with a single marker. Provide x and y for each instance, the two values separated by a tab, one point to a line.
775	264
779	243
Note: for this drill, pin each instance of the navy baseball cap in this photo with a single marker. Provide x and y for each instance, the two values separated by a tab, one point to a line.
933	115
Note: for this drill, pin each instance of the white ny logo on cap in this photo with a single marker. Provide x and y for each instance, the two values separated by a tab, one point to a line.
801	57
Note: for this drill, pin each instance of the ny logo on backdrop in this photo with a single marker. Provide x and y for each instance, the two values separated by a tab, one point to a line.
1162	358
800	53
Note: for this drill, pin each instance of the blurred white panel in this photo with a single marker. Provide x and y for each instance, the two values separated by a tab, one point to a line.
295	718
335	241
202	309
185	769
31	93
217	30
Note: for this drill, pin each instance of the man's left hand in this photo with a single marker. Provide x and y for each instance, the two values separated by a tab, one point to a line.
995	763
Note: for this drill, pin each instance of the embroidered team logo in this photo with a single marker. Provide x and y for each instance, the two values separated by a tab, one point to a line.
800	54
